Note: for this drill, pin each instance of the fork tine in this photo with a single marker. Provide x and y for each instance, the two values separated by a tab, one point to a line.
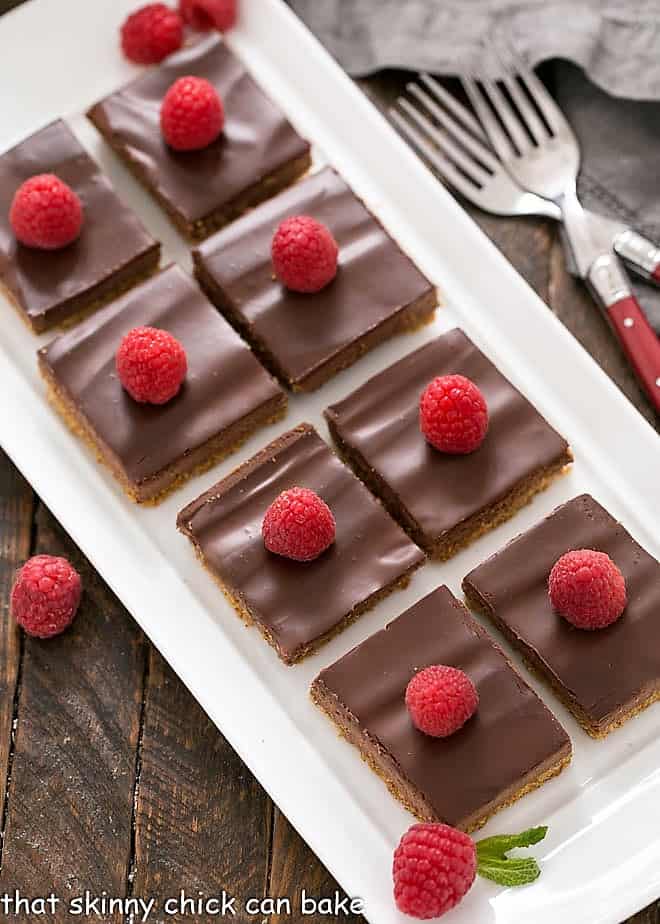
510	118
452	105
467	140
449	148
498	138
431	153
535	124
546	104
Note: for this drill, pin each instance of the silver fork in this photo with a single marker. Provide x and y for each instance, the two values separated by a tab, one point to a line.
539	150
448	136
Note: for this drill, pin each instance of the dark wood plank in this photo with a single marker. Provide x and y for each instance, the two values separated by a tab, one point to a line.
16	510
203	823
294	868
72	786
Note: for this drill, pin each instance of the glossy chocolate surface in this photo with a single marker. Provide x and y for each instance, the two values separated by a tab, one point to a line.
224	382
298	602
256	140
380	422
112	235
601	670
301	332
511	733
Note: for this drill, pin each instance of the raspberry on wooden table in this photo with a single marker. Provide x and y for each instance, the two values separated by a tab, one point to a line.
434	866
46	213
304	254
151	33
453	414
298	525
440	700
209	14
191	115
151	365
45	595
587	589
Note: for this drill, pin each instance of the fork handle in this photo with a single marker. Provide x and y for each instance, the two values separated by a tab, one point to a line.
640	343
639	254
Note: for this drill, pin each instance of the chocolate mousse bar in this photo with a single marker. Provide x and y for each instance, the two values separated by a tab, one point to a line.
113	252
604	676
257	154
446	501
152	449
298	606
510	746
304	339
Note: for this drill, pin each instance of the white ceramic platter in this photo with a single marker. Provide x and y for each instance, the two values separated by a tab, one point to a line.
601	860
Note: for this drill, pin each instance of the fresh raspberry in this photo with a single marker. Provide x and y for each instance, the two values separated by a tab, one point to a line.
45	595
192	114
209	14
434	866
151	33
151	364
453	414
46	213
440	700
304	254
298	525
588	589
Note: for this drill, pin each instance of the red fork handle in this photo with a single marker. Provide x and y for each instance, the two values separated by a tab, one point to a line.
640	343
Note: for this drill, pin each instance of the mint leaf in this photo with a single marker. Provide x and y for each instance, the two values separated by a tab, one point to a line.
510	872
500	844
493	862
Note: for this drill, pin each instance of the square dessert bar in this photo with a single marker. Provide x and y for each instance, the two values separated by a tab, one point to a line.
257	154
510	746
304	339
151	449
298	606
604	676
446	501
112	253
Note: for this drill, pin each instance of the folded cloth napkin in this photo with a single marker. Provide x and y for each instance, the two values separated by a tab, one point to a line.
607	81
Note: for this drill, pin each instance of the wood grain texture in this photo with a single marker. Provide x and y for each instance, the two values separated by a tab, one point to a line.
16	510
71	796
203	823
294	868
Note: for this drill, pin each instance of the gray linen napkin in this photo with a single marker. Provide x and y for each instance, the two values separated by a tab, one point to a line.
610	92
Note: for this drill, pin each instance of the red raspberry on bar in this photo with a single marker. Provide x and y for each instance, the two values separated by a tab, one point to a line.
151	365
440	700
298	525
191	115
453	414
304	254
587	589
46	213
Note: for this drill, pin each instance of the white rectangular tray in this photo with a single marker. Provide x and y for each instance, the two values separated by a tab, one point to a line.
601	860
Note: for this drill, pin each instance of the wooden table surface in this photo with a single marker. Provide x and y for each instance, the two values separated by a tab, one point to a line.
113	778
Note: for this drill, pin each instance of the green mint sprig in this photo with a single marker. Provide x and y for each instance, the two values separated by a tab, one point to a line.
493	862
